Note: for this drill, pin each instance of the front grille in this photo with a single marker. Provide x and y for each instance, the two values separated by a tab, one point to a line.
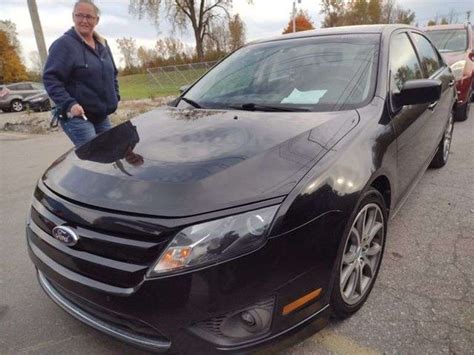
112	249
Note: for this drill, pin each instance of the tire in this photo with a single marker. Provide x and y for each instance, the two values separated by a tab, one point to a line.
442	153
17	106
359	261
46	106
462	112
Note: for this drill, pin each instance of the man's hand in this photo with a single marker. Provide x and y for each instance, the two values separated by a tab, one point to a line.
133	158
77	111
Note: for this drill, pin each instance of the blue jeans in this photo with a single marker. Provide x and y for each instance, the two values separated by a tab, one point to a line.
81	131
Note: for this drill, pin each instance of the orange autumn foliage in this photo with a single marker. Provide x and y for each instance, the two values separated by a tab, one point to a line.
302	23
11	68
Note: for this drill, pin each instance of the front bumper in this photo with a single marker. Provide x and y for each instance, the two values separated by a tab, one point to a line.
463	88
148	318
108	328
179	313
291	336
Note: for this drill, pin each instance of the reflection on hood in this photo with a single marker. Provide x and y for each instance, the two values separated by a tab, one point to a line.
111	145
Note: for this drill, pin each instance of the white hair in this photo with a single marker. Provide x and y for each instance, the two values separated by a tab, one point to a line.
90	2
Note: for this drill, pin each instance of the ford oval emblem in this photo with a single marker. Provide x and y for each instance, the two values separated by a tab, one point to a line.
65	235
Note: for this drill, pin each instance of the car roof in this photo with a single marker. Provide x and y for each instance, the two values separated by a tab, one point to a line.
457	26
342	30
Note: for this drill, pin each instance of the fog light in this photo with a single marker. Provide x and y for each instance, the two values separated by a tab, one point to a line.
248	319
238	326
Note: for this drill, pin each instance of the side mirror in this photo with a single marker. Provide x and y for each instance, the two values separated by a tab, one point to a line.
420	91
183	88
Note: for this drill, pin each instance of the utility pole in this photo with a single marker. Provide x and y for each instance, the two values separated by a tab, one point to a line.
35	20
294	14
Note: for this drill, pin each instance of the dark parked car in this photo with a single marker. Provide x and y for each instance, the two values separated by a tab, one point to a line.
12	96
256	204
456	45
38	102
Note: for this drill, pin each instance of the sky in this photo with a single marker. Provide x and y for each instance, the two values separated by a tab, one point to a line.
264	18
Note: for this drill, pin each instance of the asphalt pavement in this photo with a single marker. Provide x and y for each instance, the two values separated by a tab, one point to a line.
422	302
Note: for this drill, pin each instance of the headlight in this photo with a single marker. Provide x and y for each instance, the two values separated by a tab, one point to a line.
458	69
214	241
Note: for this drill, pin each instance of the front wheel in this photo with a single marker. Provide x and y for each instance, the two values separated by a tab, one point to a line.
442	153
359	262
17	106
46	106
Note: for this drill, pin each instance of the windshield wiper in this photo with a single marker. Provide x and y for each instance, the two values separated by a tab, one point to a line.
258	107
191	102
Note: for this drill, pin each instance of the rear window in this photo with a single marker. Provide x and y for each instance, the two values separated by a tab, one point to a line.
324	73
449	40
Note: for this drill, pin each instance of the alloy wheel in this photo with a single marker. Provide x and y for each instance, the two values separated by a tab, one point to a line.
362	253
17	106
448	134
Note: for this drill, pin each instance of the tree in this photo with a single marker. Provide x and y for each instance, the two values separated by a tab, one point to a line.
451	17
146	56
302	23
236	33
11	67
404	16
36	66
128	48
393	13
199	14
374	10
334	11
359	12
431	23
9	28
217	40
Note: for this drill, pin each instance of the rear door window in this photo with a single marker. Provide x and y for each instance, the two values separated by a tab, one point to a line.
25	87
428	55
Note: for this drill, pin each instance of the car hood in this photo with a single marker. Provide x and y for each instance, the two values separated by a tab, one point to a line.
453	57
177	163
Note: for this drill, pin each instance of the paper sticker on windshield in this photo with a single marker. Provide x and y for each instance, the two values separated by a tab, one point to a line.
311	97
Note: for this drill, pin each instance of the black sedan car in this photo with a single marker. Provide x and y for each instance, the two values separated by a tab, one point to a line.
256	204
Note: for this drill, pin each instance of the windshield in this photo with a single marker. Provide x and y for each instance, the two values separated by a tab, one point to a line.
449	40
326	73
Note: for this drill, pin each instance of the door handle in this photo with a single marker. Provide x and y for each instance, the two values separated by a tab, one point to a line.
432	105
451	83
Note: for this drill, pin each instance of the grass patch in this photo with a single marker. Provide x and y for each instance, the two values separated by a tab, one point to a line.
143	86
140	86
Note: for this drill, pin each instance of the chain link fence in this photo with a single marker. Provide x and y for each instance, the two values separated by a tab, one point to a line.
179	75
161	81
